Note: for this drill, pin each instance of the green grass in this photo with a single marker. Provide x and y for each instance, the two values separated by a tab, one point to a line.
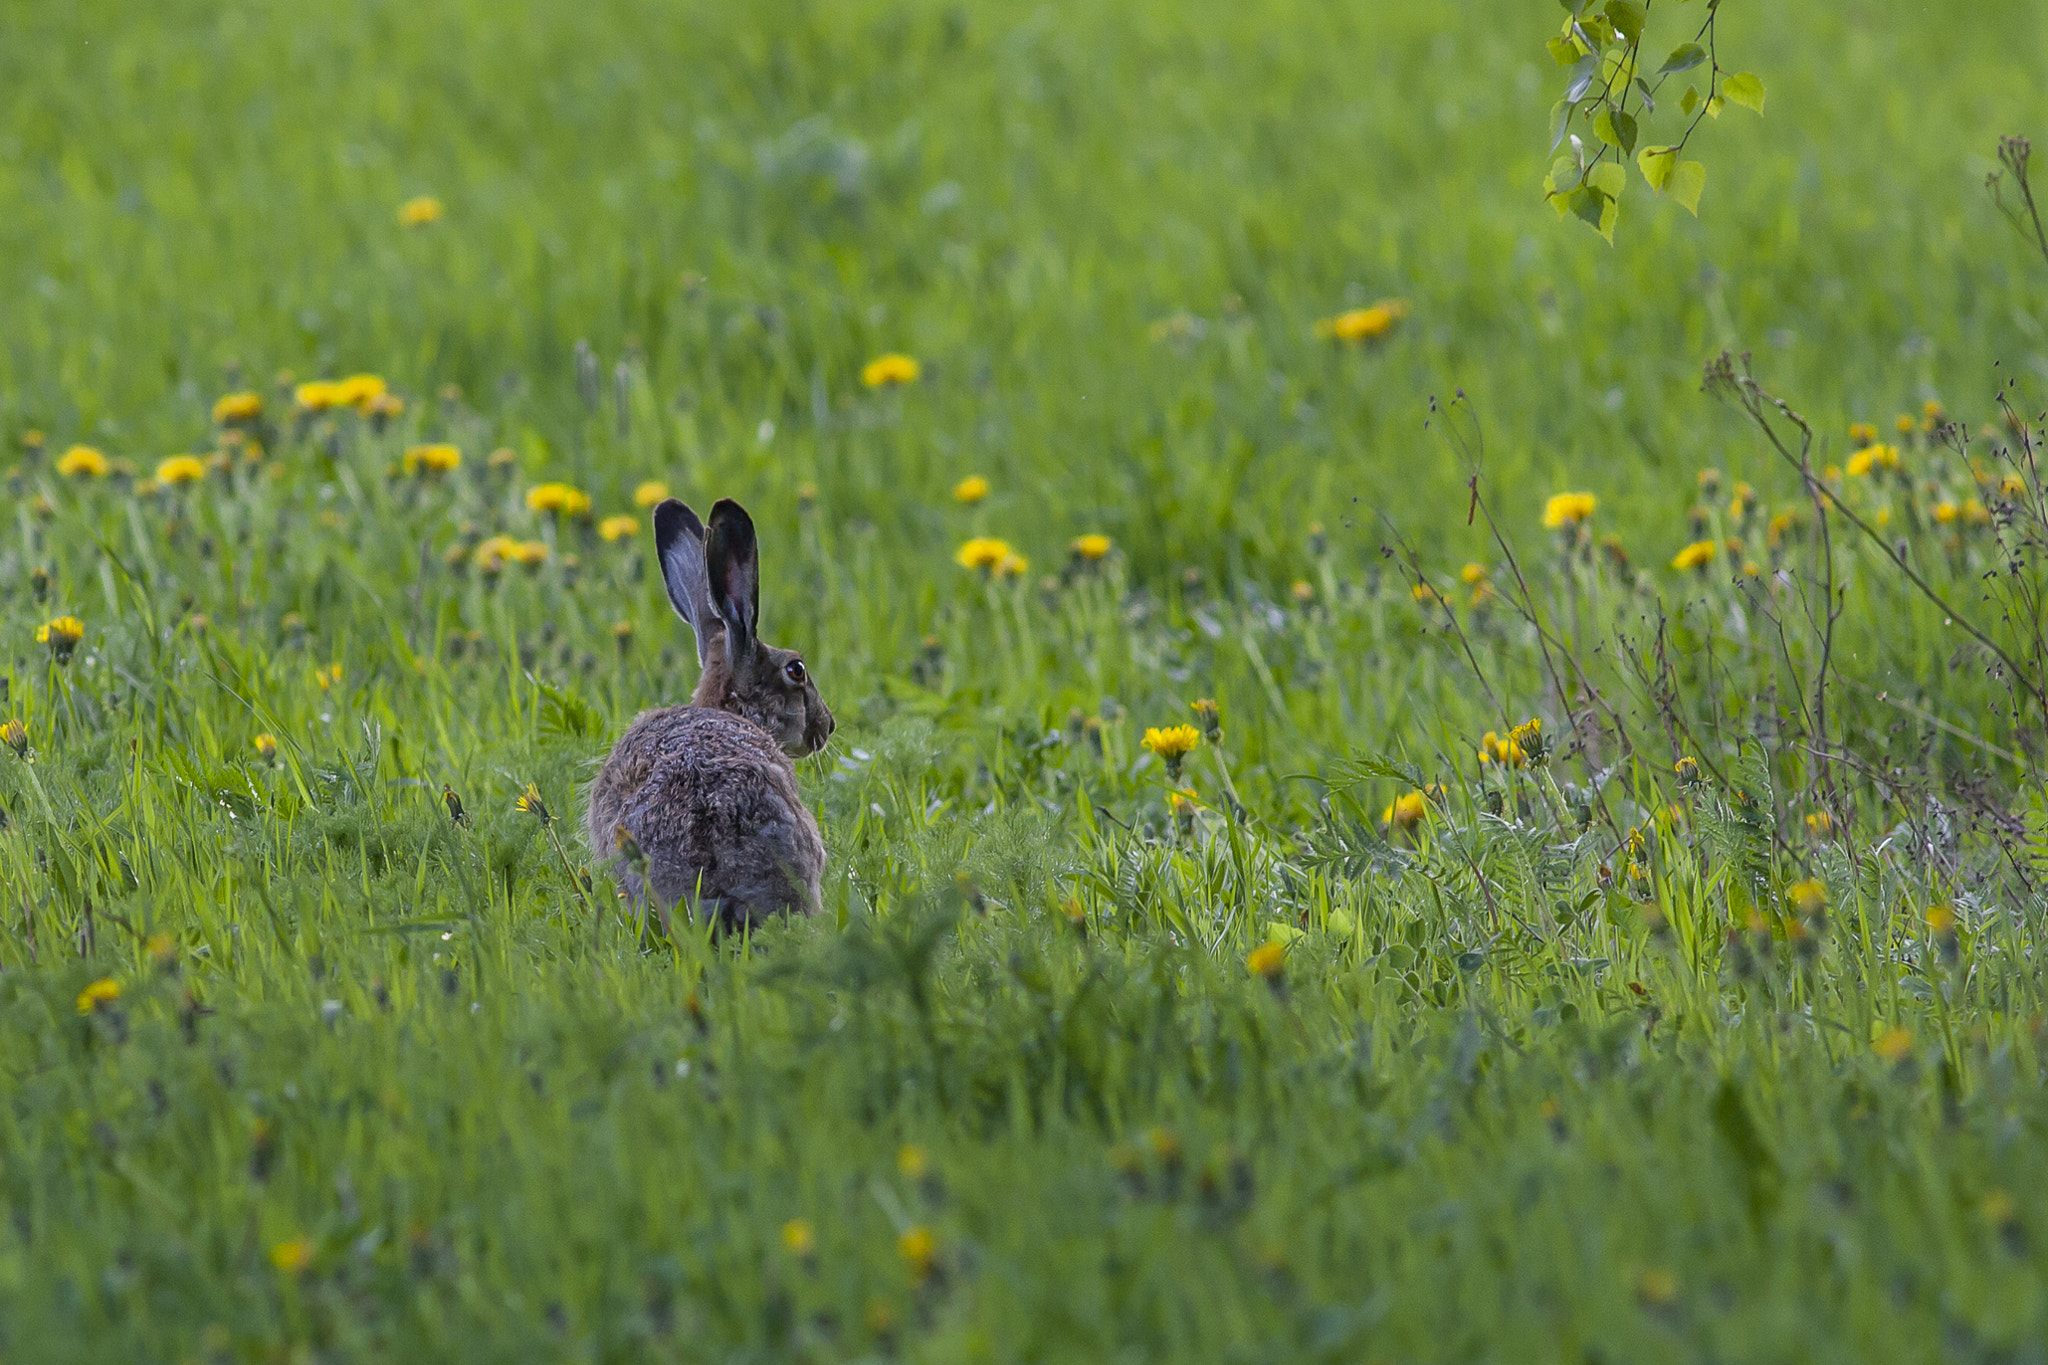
1562	1073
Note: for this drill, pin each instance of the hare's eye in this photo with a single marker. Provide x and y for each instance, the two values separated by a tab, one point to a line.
794	671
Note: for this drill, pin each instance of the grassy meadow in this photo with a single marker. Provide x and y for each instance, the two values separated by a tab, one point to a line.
1601	929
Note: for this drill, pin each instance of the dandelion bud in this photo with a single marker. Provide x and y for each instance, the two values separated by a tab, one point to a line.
266	748
1210	718
15	736
530	803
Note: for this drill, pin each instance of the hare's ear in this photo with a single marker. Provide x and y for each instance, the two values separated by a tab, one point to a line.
735	573
679	545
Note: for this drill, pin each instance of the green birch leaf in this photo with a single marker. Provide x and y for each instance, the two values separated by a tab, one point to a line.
1688	178
1656	164
1627	18
1683	58
1744	89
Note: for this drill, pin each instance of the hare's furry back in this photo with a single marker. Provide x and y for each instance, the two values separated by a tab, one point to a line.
713	805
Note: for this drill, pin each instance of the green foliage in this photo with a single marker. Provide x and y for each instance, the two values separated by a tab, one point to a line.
1340	1044
1601	49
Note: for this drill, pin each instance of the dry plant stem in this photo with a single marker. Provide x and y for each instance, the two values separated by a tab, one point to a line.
1752	398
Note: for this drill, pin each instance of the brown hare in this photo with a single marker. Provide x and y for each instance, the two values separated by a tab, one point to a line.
699	804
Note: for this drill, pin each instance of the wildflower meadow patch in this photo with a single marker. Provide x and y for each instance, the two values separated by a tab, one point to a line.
1415	777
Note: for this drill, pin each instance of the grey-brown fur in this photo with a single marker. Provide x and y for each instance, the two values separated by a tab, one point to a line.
706	793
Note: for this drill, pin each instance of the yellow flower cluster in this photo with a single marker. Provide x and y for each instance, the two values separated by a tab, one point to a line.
181	469
99	995
1873	457
420	211
363	392
238	407
1363	324
1506	752
82	462
885	370
1697	555
1568	509
558	498
1406	812
989	555
431	459
493	554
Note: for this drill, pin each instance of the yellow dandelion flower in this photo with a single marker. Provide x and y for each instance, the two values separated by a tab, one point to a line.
1012	565
619	527
504	457
1090	546
292	1256
61	636
1303	592
431	459
1506	752
15	736
919	1250
317	395
238	407
266	747
530	553
1568	509
982	552
1363	324
1172	742
800	1238
649	493
912	1161
1427	595
1941	919
1932	414
1975	513
1820	824
1266	960
1657	1287
99	995
358	391
1473	574
1905	423
558	498
1894	1045
1862	434
2012	486
420	211
181	469
1808	897
970	490
1946	512
1697	555
82	462
889	369
1406	812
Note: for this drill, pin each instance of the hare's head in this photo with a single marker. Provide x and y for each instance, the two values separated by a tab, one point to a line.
714	581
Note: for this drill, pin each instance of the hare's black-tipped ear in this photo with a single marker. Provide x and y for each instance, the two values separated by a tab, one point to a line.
679	545
735	572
